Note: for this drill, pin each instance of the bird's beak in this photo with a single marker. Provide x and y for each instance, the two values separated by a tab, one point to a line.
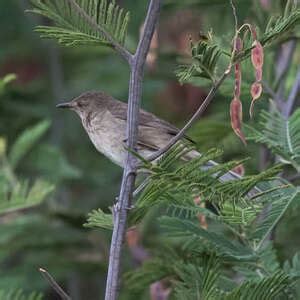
64	105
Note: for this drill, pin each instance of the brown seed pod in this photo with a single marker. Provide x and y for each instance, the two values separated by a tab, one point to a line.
236	115
257	55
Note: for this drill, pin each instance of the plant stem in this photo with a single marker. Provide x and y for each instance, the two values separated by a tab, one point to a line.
54	284
196	115
129	174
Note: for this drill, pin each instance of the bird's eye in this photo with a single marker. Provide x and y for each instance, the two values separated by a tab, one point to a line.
81	103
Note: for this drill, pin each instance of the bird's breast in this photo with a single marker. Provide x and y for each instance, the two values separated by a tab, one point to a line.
107	133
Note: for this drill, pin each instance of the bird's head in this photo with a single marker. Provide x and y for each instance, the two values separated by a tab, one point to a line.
86	103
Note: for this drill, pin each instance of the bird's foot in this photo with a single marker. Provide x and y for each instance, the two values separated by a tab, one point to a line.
117	207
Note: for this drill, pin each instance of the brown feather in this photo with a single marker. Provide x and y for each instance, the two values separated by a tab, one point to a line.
146	119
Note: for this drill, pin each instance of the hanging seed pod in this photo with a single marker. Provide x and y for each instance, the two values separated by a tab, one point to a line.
257	55
238	46
257	59
256	90
238	80
240	170
236	104
236	115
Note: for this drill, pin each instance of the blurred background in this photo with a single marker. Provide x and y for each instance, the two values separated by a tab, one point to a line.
57	154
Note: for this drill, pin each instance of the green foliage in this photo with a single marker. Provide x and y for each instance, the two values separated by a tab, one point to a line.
278	28
176	185
205	56
151	271
269	288
185	229
243	211
71	27
280	135
229	260
52	163
20	295
281	26
97	218
26	141
21	195
18	194
204	278
293	267
6	80
197	282
276	205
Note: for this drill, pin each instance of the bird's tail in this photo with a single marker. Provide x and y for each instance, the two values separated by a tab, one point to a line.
230	175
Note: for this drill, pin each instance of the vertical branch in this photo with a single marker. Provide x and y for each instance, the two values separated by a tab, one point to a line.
129	174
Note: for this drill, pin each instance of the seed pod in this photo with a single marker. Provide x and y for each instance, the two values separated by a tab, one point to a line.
236	115
240	170
256	90
238	44
258	74
257	58
238	80
238	47
257	55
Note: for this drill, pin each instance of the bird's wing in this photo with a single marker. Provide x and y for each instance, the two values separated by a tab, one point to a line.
146	120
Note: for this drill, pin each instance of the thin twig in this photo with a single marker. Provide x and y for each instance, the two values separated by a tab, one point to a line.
234	15
204	104
121	49
196	115
55	285
289	104
137	64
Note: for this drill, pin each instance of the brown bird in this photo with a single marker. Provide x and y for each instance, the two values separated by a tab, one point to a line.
104	119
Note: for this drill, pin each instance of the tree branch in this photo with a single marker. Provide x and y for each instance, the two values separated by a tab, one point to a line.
196	115
137	64
117	46
55	285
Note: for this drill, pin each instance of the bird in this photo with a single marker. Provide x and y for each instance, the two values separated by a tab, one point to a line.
104	119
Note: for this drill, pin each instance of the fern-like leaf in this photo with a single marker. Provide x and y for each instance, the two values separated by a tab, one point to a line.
278	28
281	26
19	294
268	288
205	56
97	218
23	196
197	282
26	141
71	28
277	204
279	135
187	229
293	268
